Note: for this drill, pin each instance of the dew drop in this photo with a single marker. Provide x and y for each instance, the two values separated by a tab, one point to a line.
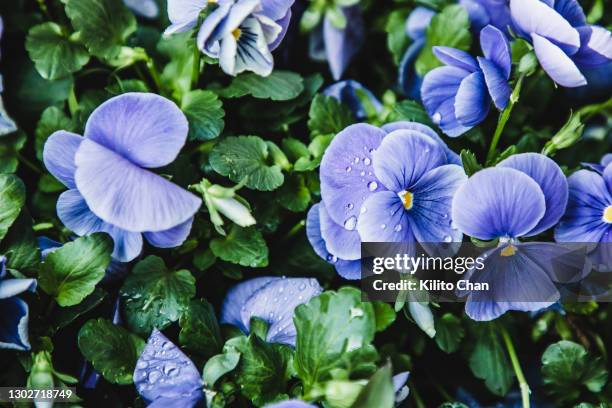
350	223
348	169
363	209
444	215
356	160
437	118
350	206
302	286
448	238
154	376
383	226
332	258
397	228
367	161
362	174
372	185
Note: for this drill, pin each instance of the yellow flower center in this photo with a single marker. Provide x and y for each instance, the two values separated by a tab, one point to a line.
607	215
407	199
237	33
508	251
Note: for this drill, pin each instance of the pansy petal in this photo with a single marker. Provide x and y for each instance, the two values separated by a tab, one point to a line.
496	49
238	13
404	156
284	28
353	94
340	241
446	119
170	238
74	213
341	45
430	216
551	180
588	198
205	40
313	232
455	58
595	47
58	156
252	53
385	219
498	202
238	296
572	11
534	17
127	196
13	287
472	101
350	270
556	63
440	85
497	84
479	17
275	303
346	171
418	21
410	82
276	9
607	175
606	159
145	8
180	11
291	404
144	128
14	324
164	372
451	156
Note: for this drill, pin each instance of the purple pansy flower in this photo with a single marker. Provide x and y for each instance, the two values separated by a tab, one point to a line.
488	12
164	376
522	196
388	184
563	42
338	45
588	217
111	188
458	96
359	99
144	8
13	311
241	34
272	299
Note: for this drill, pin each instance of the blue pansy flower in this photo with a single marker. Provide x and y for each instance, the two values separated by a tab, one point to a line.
365	195
338	45
588	217
523	196
601	166
111	188
458	95
416	28
488	12
13	311
241	34
359	99
144	8
165	377
563	42
272	299
7	125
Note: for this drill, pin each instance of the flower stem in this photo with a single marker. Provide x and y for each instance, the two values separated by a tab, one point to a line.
503	118
153	72
295	229
516	365
73	103
195	73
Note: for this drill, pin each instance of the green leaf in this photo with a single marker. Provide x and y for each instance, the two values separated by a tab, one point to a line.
316	148
470	163
219	365
10	145
453	405
567	136
249	157
205	113
278	86
450	28
63	317
378	392
20	246
411	111
385	315
567	367
200	331
243	246
12	198
103	25
328	326
112	350
489	361
264	370
328	116
294	195
51	120
29	94
55	55
449	333
397	40
71	273
154	297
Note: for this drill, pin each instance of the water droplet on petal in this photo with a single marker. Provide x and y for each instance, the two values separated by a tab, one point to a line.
154	376
367	161
383	226
348	169
356	160
362	174
448	238
363	209
372	185
437	118
397	228
350	223
350	206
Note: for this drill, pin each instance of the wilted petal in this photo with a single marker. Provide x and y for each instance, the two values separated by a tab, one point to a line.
237	297
455	58
496	48
14	324
385	219
163	372
170	238
498	202
404	156
341	45
551	180
418	21
144	128
275	303
556	63
343	186
595	47
340	241
472	102
127	196
497	83
58	156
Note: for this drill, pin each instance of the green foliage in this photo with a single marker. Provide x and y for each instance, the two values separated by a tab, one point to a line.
154	296
411	111
111	349
278	86
51	120
470	163
328	116
200	331
243	246
397	40
378	392
12	198
488	360
449	333
205	114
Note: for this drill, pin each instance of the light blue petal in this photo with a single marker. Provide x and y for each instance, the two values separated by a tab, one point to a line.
410	82
556	63
595	47
185	12
205	40
341	45
276	9
350	270
497	84
340	241
14	287
571	11
496	49
455	58
351	94
14	324
418	21
145	8
290	404
385	219
237	297
498	202
472	102
170	238
58	156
